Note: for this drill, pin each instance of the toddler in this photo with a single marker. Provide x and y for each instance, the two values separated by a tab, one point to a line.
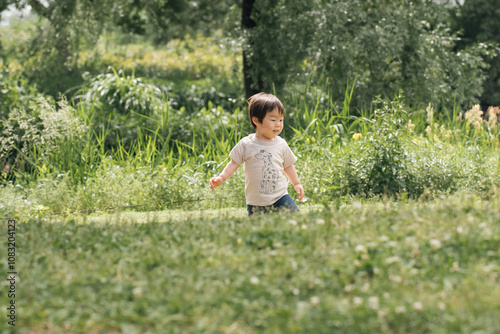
265	157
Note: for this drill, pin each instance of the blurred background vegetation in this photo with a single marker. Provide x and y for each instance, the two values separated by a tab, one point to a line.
440	52
90	86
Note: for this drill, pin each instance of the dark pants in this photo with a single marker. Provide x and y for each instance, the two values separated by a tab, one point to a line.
285	202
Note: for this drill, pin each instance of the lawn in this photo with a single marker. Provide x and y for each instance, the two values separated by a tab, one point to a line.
358	267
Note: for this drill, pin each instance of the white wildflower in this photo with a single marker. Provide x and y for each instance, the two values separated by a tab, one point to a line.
373	302
357	301
435	243
392	259
137	292
395	278
384	238
493	116
400	309
254	280
430	114
360	249
418	306
320	221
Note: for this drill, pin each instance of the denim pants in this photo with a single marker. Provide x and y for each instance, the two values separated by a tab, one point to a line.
286	202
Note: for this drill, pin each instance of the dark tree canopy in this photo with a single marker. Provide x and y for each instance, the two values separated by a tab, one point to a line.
478	21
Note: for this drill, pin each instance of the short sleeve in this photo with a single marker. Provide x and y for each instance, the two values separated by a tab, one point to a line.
288	157
238	153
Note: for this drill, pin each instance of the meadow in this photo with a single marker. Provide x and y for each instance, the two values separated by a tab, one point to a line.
118	231
373	266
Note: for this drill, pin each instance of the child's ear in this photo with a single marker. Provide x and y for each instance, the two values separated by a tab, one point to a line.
255	120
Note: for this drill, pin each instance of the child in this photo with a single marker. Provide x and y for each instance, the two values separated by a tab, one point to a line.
265	156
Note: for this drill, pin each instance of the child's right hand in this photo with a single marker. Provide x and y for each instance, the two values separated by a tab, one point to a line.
215	182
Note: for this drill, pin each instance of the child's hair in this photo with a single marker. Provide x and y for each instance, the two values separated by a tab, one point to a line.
260	104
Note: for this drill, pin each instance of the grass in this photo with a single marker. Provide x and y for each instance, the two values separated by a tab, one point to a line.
372	266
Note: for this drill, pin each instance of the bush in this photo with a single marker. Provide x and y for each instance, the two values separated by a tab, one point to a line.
43	136
120	106
377	164
15	92
390	158
180	60
194	97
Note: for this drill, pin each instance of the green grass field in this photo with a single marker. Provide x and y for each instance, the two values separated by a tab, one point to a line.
371	267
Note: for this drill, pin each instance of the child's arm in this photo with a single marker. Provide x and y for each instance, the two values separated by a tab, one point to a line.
291	173
226	174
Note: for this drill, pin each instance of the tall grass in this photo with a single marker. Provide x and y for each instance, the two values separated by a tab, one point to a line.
389	151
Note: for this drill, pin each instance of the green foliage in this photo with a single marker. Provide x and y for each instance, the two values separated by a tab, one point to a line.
43	138
49	49
275	47
121	106
14	93
394	153
385	46
476	22
121	93
163	20
397	45
46	51
192	72
194	97
190	58
377	163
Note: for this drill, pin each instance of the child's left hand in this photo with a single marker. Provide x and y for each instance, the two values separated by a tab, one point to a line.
300	191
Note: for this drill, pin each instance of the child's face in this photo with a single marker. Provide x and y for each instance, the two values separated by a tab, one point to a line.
271	125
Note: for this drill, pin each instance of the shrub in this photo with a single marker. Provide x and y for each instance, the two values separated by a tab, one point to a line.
44	135
377	164
120	106
222	92
180	60
15	92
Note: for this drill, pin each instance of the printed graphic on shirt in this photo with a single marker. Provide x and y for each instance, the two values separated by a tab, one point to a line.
270	175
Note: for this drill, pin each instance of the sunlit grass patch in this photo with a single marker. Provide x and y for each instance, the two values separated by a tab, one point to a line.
367	266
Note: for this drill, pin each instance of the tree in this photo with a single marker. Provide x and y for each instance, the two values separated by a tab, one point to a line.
382	45
477	21
276	36
248	23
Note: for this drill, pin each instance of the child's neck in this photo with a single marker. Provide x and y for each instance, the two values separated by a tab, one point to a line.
260	137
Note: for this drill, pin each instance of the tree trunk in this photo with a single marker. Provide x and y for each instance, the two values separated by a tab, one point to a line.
248	23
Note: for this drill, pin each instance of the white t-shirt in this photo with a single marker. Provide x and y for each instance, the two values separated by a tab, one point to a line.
264	164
